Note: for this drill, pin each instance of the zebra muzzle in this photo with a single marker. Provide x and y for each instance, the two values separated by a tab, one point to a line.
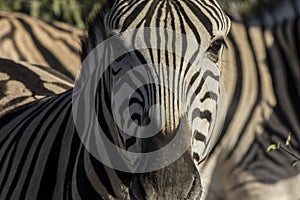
180	180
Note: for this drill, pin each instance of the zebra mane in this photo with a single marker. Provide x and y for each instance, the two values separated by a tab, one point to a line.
97	32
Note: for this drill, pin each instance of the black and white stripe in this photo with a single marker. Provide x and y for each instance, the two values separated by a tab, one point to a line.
262	80
41	155
27	39
22	83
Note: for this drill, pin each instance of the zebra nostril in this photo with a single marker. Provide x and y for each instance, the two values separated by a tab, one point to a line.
195	189
136	190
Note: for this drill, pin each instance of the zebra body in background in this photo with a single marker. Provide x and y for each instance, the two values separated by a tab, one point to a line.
41	155
26	39
40	53
22	83
261	69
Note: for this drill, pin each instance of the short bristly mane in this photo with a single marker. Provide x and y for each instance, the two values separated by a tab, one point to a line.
97	31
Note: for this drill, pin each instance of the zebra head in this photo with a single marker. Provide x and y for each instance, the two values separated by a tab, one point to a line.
164	80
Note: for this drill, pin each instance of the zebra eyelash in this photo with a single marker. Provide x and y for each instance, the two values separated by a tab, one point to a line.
221	41
224	43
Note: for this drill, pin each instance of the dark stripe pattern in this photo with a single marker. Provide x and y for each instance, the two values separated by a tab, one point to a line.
262	76
22	83
23	38
41	155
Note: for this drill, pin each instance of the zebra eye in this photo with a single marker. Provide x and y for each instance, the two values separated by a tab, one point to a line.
215	48
216	45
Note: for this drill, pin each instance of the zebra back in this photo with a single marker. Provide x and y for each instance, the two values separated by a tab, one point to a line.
27	39
22	83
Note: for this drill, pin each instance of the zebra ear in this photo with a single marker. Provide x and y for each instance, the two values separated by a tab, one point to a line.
96	29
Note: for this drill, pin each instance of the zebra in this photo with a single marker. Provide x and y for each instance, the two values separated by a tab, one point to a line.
242	53
40	65
41	154
34	41
22	83
261	69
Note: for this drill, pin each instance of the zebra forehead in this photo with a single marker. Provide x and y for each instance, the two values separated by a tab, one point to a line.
171	14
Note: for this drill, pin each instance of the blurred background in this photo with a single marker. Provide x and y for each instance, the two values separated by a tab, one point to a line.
78	12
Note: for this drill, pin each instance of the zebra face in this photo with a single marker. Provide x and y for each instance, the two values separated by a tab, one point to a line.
179	46
167	83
